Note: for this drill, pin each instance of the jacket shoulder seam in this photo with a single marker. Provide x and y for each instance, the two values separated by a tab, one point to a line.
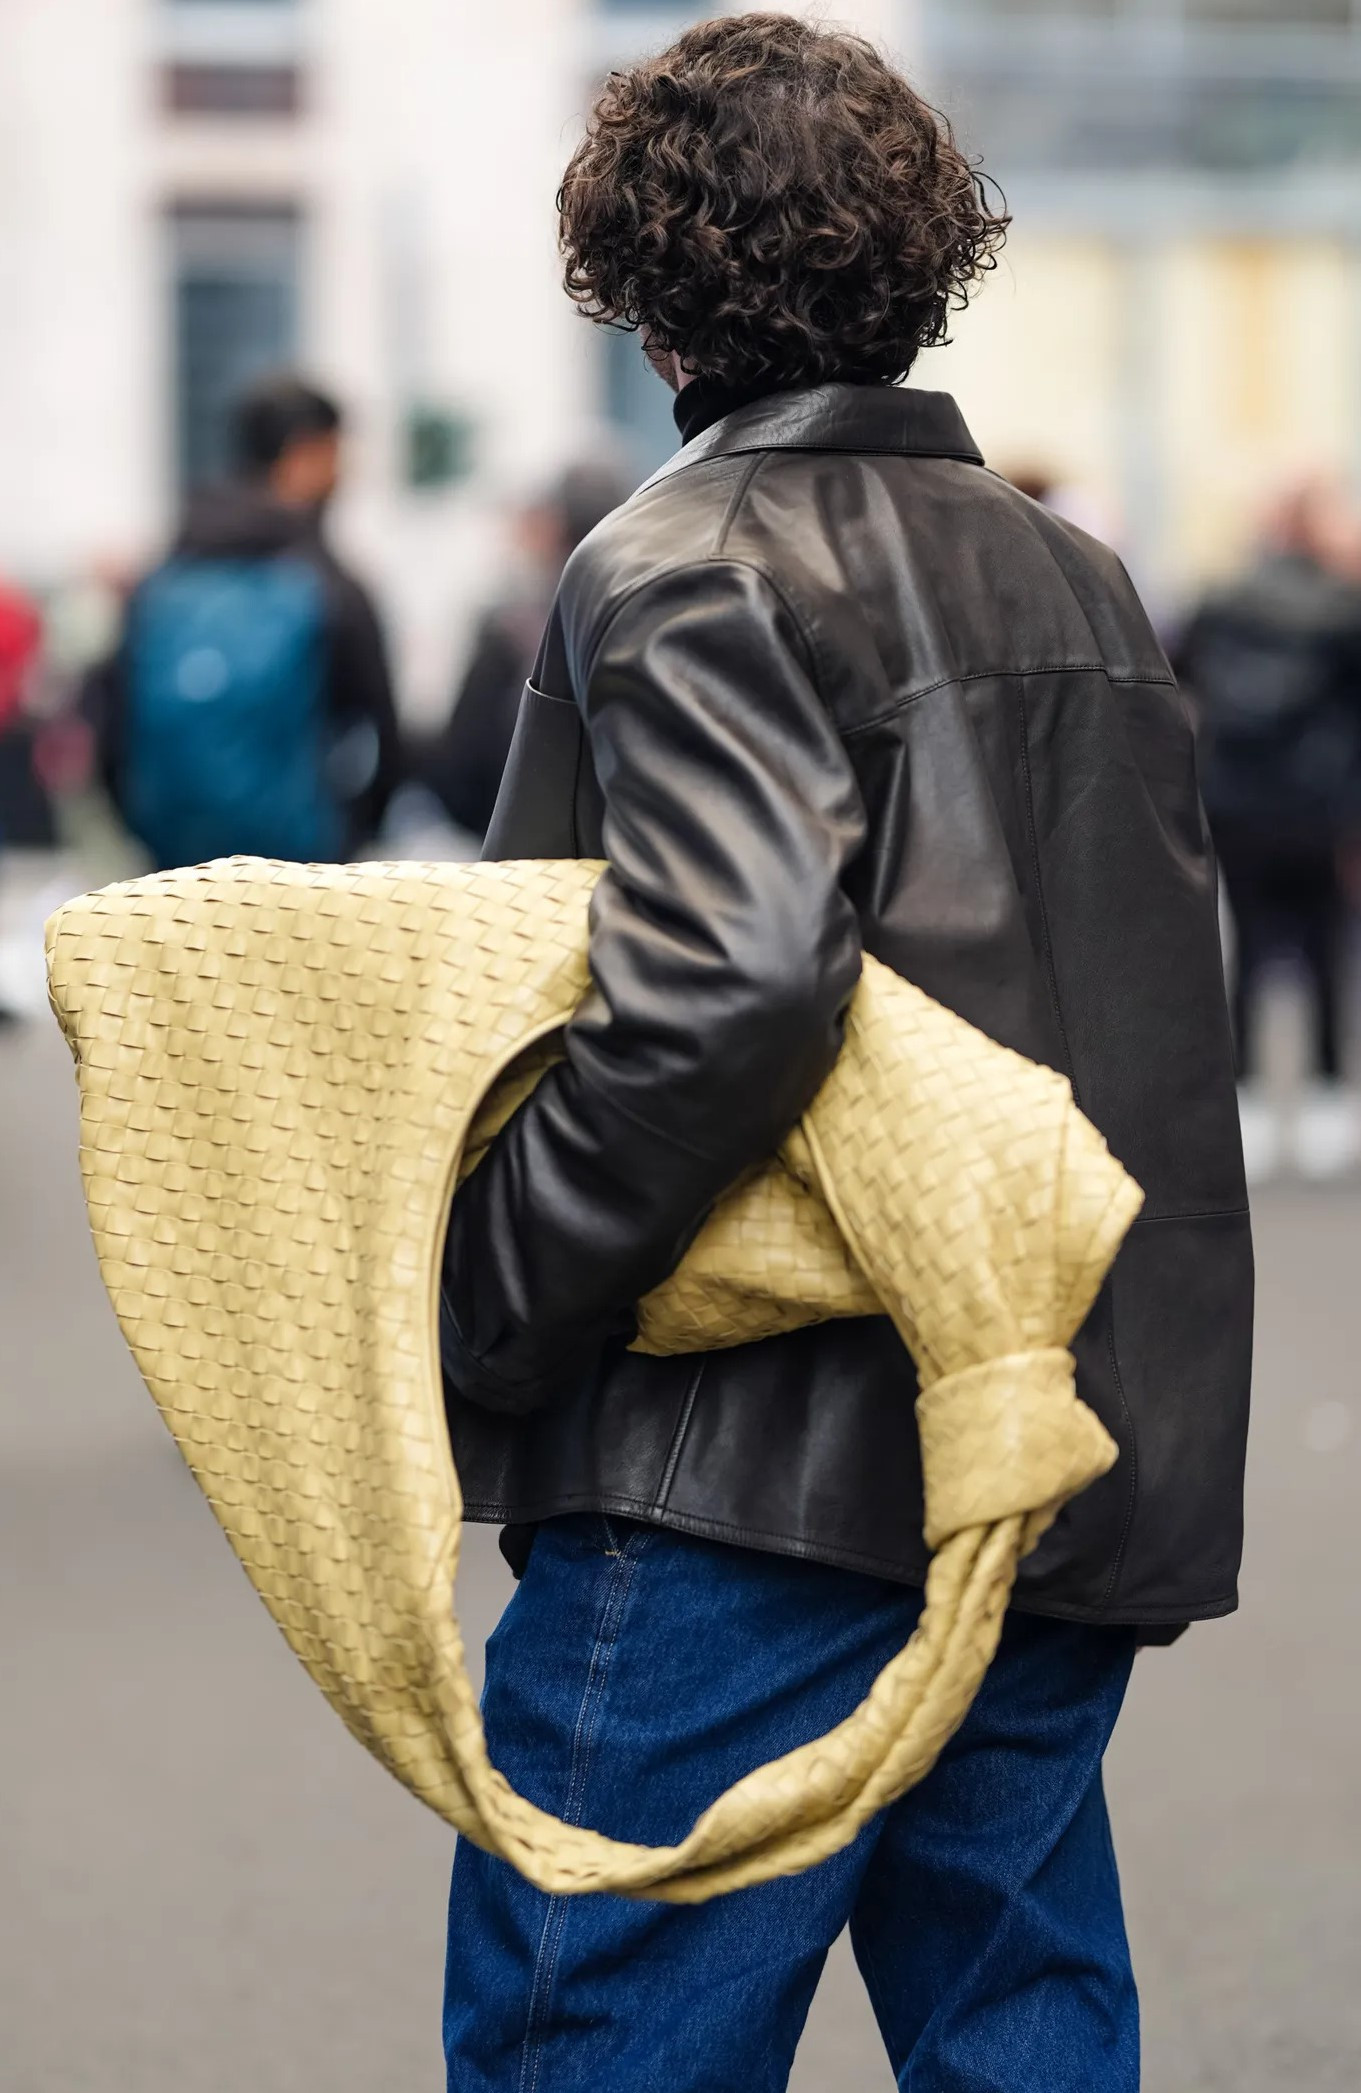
667	570
778	589
736	499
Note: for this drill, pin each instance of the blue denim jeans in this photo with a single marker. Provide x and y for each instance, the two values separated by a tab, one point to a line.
633	1676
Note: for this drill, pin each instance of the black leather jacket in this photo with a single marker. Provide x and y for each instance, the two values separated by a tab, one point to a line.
827	684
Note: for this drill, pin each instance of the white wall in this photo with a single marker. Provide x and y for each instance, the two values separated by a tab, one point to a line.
80	463
436	277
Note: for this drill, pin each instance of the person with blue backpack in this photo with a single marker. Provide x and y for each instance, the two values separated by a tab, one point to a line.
248	706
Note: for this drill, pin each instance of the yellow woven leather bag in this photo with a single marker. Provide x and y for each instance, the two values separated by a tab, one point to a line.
283	1071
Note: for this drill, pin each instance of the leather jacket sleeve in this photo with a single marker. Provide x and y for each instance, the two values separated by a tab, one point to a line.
723	951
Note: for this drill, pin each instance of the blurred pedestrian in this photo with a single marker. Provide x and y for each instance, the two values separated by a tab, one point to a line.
21	634
248	706
26	816
1273	661
824	685
24	809
463	763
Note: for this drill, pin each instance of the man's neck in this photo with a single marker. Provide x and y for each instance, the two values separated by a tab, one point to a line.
704	401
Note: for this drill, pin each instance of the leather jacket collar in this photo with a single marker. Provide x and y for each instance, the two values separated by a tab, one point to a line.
838	417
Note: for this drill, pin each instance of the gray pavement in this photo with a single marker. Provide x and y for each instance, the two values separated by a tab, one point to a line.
206	1885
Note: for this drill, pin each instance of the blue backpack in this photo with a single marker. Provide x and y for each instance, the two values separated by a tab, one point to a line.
225	741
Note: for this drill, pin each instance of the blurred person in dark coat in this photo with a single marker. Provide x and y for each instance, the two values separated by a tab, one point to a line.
463	763
1273	660
25	809
22	803
248	706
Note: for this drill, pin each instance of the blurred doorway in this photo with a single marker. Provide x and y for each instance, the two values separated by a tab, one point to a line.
234	273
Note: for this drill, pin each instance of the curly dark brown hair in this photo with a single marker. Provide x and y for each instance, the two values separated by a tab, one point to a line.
769	198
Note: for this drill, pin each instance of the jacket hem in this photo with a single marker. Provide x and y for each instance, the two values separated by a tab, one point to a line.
895	1570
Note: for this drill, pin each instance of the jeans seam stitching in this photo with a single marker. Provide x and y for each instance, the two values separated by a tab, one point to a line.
867	1964
545	1966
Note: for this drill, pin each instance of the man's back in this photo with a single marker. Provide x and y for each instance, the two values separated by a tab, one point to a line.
825	686
1031	852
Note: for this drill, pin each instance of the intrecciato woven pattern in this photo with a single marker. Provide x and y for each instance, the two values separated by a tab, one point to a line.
282	1071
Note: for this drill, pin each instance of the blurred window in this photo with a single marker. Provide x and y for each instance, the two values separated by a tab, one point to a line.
1098	9
230	90
1287	14
618	32
1220	88
245	33
234	287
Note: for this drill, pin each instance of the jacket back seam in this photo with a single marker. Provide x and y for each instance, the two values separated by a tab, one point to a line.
1122	678
1132	1495
1242	1212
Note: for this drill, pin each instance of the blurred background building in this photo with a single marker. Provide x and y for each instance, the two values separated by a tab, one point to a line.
194	190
